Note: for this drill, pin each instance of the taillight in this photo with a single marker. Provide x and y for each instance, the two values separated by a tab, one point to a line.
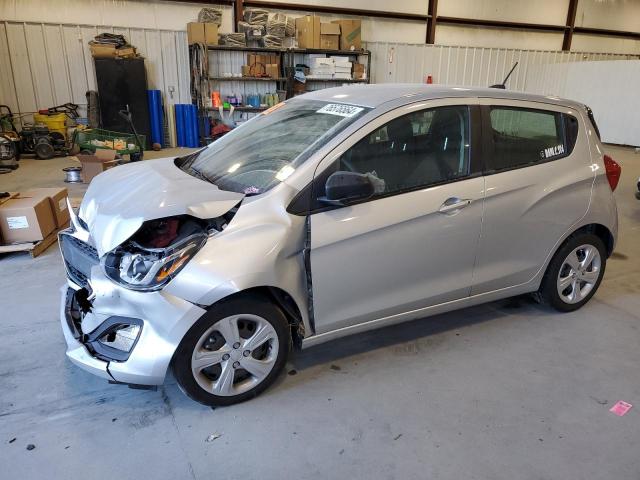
613	171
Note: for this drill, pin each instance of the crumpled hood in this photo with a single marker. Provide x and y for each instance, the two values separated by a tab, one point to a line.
119	200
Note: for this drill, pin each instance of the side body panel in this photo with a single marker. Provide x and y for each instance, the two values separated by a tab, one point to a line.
393	254
528	209
601	209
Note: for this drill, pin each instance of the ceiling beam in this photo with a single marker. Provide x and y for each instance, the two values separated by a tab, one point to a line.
238	10
607	32
571	23
475	22
432	13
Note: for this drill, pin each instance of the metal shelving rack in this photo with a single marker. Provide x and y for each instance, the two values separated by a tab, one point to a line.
225	69
228	73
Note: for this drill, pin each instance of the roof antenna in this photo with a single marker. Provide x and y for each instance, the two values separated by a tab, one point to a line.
502	85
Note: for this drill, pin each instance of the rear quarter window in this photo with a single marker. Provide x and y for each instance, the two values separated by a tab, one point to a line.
523	137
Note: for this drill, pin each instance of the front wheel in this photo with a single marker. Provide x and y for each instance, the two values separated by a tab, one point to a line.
575	272
234	351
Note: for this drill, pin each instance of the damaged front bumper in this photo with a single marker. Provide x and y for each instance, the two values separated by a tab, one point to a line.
163	320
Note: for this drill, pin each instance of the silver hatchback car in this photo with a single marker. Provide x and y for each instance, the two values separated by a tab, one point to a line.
330	214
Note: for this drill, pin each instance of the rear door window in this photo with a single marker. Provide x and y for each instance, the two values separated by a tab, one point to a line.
523	137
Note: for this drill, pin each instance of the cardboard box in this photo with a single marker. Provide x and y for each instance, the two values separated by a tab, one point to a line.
308	31
272	70
195	33
289	42
126	52
28	219
330	42
211	33
58	200
350	34
94	165
103	51
330	36
3	200
358	71
246	70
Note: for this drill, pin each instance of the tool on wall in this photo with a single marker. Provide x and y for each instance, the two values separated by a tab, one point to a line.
136	156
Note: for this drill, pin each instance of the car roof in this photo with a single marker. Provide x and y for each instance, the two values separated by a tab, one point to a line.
376	95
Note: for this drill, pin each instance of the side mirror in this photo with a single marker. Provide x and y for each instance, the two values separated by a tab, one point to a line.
344	188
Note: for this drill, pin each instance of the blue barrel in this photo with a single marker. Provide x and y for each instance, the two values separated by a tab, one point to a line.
180	129
156	120
188	125
195	140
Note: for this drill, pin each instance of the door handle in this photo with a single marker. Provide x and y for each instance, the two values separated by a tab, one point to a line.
454	203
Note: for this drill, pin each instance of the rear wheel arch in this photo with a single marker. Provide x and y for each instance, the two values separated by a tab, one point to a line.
601	232
597	229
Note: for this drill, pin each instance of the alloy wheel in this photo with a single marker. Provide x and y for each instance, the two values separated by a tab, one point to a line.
235	354
579	273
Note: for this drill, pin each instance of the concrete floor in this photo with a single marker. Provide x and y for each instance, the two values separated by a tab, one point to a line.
507	390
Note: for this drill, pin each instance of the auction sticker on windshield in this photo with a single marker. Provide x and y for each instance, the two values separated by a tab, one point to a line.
340	109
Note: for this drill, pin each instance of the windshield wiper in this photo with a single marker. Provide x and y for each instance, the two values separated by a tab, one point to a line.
187	160
197	173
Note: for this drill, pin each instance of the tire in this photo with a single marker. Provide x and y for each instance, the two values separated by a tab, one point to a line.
8	150
44	150
578	266
211	371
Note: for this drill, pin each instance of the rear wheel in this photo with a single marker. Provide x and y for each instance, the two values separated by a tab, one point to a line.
575	272
234	352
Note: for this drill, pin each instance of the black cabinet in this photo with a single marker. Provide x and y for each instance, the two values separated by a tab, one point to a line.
123	82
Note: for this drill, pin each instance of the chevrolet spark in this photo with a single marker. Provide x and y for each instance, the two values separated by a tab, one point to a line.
333	213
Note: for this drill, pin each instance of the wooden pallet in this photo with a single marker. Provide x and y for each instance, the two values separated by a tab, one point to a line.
34	248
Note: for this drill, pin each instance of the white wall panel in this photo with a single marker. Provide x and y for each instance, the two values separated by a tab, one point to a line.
38	64
608	87
7	85
497	38
609	14
73	48
465	66
57	64
404	6
155	79
87	34
552	12
23	81
599	43
154	14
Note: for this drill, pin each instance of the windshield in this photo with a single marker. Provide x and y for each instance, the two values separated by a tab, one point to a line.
264	151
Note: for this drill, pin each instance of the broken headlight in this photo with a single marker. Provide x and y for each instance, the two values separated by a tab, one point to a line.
138	267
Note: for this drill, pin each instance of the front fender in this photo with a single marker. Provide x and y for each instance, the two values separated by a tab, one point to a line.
261	247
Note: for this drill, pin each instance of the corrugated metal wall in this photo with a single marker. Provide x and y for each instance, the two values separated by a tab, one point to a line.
465	66
47	64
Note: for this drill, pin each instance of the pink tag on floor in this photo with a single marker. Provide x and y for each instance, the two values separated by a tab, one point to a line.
620	408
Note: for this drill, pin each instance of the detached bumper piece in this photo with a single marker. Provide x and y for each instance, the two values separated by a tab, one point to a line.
113	340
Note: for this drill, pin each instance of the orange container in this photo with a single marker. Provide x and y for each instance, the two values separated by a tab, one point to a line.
215	99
